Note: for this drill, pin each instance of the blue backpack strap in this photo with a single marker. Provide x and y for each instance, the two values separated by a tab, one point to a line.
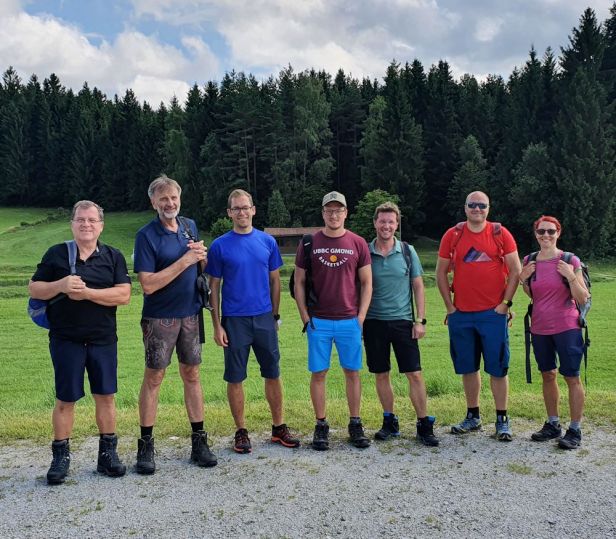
72	255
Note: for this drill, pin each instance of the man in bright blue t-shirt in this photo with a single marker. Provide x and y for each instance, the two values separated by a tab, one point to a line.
167	262
248	261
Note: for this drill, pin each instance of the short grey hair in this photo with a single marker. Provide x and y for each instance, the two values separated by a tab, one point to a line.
163	181
85	204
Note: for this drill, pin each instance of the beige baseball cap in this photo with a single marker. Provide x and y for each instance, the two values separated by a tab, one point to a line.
334	196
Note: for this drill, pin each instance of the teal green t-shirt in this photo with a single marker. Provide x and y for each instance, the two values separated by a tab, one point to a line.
391	283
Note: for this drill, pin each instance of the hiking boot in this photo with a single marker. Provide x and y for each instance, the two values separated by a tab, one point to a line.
201	453
108	461
282	435
503	430
242	443
571	440
549	431
425	431
320	439
357	436
468	424
390	428
60	462
145	456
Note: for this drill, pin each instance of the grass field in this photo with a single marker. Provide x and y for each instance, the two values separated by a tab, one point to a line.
26	384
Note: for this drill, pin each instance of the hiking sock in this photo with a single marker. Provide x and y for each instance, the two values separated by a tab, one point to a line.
106	434
554	420
473	412
575	425
321	420
62	440
196	426
389	414
424	420
354	420
501	413
146	431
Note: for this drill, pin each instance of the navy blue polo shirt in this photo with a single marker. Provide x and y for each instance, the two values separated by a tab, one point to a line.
156	248
83	321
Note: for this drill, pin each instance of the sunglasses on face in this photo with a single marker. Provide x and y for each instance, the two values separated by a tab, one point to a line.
479	205
543	231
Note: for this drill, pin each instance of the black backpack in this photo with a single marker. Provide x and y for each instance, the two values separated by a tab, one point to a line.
311	297
582	310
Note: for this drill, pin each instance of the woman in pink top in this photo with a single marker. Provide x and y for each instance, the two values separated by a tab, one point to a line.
555	287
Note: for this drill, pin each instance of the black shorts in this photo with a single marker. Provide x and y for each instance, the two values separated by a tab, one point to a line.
381	335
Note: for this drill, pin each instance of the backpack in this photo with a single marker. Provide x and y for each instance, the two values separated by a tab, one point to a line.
37	308
311	297
406	252
202	283
497	230
582	311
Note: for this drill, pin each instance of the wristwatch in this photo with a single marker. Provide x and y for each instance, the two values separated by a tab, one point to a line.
508	302
276	317
423	321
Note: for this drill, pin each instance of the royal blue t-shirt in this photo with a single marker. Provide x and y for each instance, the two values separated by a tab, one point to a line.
157	248
244	262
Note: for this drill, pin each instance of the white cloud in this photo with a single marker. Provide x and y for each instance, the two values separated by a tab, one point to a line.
44	44
487	28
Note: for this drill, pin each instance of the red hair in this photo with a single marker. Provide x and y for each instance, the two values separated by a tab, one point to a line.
548	219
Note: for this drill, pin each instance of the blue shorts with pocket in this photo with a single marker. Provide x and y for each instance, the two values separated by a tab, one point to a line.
569	345
473	334
70	362
243	332
322	334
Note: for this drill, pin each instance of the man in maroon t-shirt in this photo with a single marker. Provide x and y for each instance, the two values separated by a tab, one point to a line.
342	281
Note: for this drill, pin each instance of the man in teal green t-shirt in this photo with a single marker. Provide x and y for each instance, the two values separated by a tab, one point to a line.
396	282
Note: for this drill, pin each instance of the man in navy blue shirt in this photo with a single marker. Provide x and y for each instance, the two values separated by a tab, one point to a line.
167	262
248	261
82	335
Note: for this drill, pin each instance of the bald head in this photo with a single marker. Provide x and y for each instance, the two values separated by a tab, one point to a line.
477	196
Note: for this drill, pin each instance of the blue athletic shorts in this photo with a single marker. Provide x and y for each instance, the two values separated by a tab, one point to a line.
473	334
569	345
246	331
346	334
71	360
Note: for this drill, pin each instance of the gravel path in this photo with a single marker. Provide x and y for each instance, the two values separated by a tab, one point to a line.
472	486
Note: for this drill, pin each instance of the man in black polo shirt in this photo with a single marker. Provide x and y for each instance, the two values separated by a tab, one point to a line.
82	334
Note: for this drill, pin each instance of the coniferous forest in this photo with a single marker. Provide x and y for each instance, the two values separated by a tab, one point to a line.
542	141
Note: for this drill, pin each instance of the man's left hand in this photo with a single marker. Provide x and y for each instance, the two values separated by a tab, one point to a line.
501	308
418	331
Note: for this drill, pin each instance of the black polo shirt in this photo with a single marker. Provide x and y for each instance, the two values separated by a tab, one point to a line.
83	321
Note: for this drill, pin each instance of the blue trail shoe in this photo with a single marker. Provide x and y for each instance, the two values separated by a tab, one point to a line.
503	430
468	424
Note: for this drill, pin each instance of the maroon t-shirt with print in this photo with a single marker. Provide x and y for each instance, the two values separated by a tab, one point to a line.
335	264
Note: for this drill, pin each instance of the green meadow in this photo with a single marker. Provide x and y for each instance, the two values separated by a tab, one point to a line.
26	383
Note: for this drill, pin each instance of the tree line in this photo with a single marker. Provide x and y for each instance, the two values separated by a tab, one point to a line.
540	142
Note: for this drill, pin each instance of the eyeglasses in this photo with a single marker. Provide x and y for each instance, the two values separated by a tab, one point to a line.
480	205
237	211
90	221
337	211
542	231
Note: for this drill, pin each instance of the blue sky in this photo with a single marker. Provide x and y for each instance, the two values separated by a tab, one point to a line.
160	48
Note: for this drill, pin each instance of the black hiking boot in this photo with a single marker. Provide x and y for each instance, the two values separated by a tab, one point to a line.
390	428
108	461
201	453
571	440
145	456
320	440
549	431
357	436
425	431
60	462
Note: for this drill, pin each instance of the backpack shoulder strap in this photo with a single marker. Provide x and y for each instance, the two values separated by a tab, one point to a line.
72	255
186	227
566	256
307	243
406	251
